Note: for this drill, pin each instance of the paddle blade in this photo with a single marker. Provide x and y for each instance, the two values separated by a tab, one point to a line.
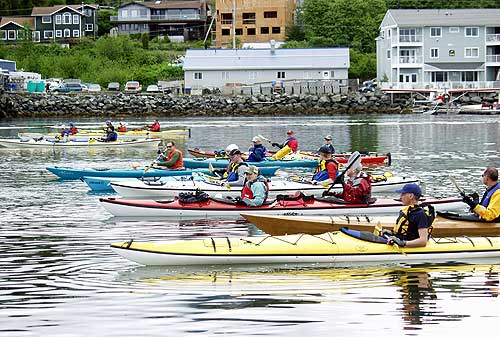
210	167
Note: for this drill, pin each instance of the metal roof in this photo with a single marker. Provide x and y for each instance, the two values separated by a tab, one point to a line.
241	59
38	11
167	4
446	17
454	66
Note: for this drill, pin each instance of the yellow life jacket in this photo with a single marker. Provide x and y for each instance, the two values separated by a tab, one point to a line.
402	223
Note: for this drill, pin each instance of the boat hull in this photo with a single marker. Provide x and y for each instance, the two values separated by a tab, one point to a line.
213	208
332	248
67	173
139	189
87	134
282	225
32	144
222	163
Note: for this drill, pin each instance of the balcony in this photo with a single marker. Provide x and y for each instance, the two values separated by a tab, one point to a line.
158	18
493	58
408	39
438	85
410	59
492	38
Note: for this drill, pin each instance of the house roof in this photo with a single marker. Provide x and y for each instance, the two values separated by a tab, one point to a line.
260	59
445	17
39	11
21	21
444	66
167	4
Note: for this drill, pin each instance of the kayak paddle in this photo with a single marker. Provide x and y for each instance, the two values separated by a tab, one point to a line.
356	155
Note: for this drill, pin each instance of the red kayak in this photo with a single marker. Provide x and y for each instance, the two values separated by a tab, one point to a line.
282	205
366	159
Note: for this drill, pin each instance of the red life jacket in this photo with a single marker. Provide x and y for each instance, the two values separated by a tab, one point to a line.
177	164
246	192
155	127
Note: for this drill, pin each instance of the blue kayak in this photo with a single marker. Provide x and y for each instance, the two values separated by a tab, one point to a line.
222	163
67	173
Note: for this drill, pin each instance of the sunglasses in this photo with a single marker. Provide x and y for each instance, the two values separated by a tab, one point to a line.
248	173
169	147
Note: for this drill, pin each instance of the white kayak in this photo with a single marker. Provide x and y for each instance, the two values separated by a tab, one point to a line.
167	189
32	144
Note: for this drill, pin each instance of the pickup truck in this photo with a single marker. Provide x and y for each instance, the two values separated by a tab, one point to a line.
68	87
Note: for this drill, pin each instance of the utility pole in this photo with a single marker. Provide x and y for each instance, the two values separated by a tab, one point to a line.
234	24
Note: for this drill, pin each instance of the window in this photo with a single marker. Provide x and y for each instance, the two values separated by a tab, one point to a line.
389	32
76	33
12	35
58	19
270	15
226	32
225	75
227	18
134	13
451	52
250	31
454	30
471	31
439	76
36	36
471	52
408	35
280	74
249	18
48	34
469	76
67	33
264	30
435	31
407	78
276	30
46	19
307	74
88	12
66	18
197	76
332	74
434	53
382	33
76	19
21	34
252	75
3	34
58	33
124	13
388	51
238	31
89	27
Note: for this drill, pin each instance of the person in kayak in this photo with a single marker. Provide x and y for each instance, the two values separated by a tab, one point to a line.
328	142
72	128
122	127
358	188
256	189
489	207
290	141
413	225
327	168
155	127
257	152
110	136
235	170
171	159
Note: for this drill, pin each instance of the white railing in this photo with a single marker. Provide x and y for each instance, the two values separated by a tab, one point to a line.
410	59
493	58
179	17
492	37
407	39
439	85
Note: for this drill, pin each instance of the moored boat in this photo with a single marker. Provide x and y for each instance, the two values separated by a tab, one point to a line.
445	224
223	207
144	189
43	143
84	134
339	247
68	173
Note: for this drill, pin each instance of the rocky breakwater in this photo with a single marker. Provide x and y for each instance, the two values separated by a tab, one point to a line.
45	105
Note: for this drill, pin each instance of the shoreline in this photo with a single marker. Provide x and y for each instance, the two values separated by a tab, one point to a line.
14	105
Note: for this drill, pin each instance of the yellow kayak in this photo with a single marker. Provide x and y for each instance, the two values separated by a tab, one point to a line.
85	134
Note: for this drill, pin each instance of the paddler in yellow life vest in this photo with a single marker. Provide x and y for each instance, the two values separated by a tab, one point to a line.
235	170
412	225
488	208
327	168
291	144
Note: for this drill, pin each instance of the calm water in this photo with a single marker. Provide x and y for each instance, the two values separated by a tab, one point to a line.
59	278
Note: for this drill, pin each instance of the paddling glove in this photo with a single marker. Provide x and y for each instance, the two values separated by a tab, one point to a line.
397	241
468	200
276	145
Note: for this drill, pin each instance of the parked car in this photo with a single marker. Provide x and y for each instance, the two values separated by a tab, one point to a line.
114	86
94	88
69	87
133	86
152	88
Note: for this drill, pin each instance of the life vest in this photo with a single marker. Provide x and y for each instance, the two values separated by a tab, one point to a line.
122	128
74	130
246	192
485	201
321	172
402	223
179	163
155	127
292	143
232	174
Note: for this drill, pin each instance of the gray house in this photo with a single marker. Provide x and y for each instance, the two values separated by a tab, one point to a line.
437	49
214	68
16	28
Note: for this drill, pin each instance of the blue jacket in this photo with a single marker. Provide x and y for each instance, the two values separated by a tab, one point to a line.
110	137
257	153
